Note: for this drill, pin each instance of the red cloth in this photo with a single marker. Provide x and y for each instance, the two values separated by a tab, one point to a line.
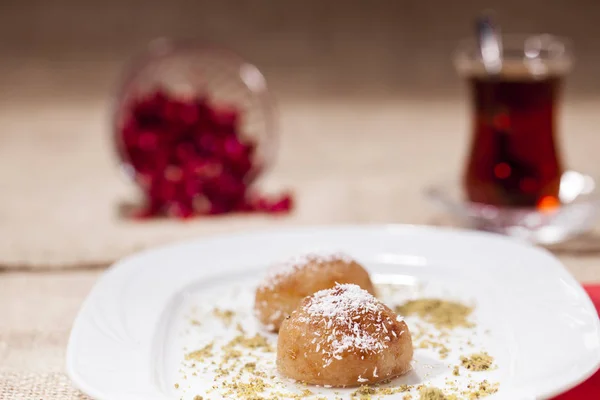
589	389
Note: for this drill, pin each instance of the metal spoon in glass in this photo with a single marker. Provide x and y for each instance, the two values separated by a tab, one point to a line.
490	44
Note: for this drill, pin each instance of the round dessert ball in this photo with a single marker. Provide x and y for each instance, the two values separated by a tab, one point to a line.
288	283
343	337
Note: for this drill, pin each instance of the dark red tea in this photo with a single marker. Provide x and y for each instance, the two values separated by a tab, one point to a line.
514	159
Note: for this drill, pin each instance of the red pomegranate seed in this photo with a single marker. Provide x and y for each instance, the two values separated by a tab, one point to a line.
225	118
189	113
147	141
173	173
208	143
201	204
191	188
209	169
284	204
234	150
164	191
179	210
191	158
185	152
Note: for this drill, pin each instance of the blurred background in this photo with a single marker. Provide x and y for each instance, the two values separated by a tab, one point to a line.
70	49
370	108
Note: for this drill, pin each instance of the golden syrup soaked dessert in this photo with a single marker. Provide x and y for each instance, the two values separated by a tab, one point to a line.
343	336
288	283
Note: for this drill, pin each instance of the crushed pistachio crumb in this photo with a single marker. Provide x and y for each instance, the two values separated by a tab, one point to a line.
255	342
477	362
246	390
431	393
435	344
224	315
239	328
440	313
201	354
363	393
366	392
483	389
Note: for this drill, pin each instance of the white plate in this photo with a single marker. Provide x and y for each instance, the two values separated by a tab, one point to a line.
127	340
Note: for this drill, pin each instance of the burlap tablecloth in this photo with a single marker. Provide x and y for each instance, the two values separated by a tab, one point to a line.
61	190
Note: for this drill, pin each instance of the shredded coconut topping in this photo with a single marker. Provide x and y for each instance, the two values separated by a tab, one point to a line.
277	273
347	318
345	301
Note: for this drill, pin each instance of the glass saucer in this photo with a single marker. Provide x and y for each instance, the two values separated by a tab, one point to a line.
576	215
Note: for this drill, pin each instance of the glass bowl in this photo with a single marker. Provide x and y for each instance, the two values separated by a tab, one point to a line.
196	119
186	69
576	215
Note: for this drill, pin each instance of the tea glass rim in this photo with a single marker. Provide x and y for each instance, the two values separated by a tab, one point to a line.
547	54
